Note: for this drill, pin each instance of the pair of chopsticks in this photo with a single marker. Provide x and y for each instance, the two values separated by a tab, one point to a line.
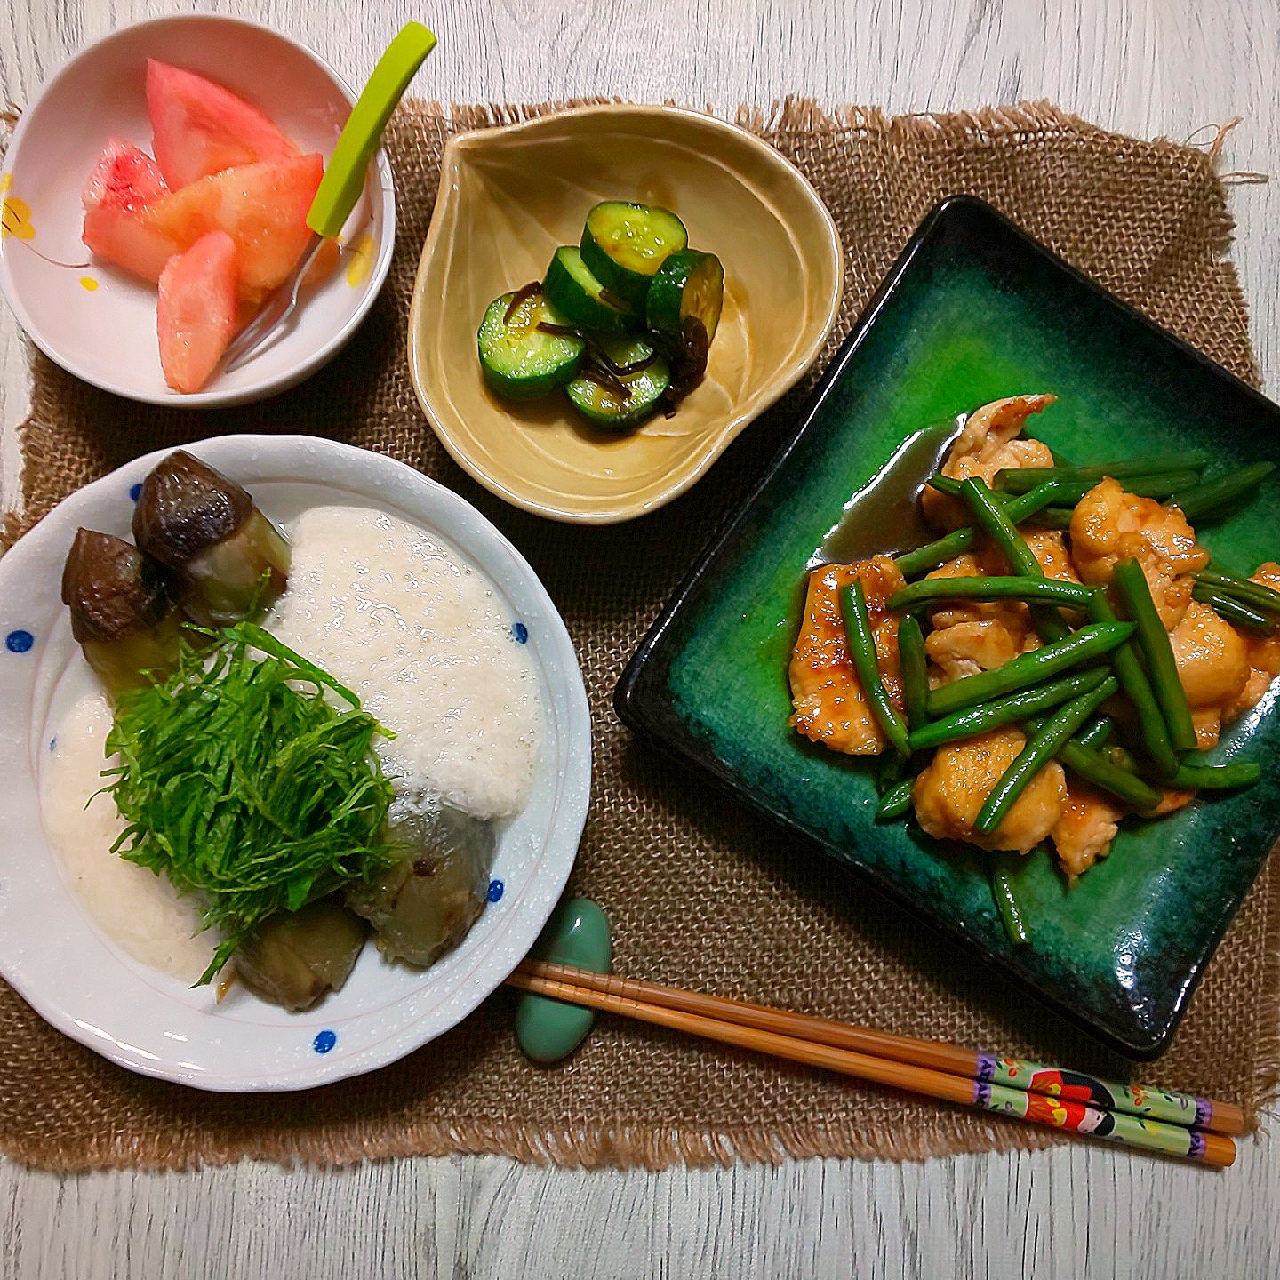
1175	1124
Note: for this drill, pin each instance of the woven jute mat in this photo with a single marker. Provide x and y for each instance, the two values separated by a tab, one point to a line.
701	894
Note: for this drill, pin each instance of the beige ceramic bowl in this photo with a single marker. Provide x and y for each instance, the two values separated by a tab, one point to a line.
509	196
96	321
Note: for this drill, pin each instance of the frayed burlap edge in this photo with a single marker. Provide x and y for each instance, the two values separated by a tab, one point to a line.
601	1143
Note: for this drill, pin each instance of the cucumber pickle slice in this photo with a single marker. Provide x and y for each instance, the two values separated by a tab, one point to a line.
619	399
576	293
623	245
521	361
689	284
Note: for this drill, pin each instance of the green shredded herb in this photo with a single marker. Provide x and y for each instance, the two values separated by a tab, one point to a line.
246	786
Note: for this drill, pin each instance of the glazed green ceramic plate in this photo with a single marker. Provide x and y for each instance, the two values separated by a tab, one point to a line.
973	311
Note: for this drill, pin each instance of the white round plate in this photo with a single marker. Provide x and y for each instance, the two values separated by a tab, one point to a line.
58	959
97	321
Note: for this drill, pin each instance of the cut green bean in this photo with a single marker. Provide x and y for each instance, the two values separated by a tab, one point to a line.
1137	688
890	771
1261	597
862	649
1153	640
1011	710
1234	611
1051	518
929	591
1029	668
1087	765
914	666
896	801
1215	777
992	517
1015	921
958	541
1044	744
1211	497
1096	732
1021	479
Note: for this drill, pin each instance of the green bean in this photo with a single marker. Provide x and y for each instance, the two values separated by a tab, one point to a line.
1096	732
1029	668
896	801
1210	497
1090	767
958	541
914	666
1234	611
1051	518
1009	587
1020	479
1040	749
1137	688
994	520
1009	907
1216	777
1153	640
1258	594
890	771
991	715
1144	486
862	649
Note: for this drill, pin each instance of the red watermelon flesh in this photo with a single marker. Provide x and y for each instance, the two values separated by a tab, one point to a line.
123	186
196	310
200	128
262	207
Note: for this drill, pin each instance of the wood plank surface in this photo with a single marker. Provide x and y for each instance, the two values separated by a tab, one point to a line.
1145	67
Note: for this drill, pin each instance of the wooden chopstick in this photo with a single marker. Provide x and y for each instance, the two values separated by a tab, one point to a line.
925	1067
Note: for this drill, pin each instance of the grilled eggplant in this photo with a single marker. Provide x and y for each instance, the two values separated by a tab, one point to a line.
122	610
425	903
298	957
228	557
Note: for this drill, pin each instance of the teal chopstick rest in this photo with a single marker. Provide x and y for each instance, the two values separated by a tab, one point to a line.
578	934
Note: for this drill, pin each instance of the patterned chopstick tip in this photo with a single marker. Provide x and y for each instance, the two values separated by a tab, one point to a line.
1074	1086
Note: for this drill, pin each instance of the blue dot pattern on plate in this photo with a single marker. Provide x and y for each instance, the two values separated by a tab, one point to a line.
134	491
520	631
19	641
496	890
324	1041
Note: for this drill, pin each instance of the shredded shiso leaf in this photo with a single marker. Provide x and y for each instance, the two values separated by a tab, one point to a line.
245	786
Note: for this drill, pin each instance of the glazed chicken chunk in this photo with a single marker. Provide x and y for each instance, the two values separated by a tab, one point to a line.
991	441
951	791
1110	525
830	706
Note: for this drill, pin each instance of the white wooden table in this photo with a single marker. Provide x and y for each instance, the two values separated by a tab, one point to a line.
1146	67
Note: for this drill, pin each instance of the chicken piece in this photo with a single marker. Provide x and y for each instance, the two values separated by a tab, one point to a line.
1213	667
1084	832
1110	525
1050	549
830	706
1261	652
987	444
949	793
969	636
1207	722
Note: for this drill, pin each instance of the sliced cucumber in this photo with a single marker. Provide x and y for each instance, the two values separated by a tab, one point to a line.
575	292
688	285
624	244
608	395
521	361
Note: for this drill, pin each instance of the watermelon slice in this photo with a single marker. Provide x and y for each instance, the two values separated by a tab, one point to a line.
200	128
262	207
196	310
123	186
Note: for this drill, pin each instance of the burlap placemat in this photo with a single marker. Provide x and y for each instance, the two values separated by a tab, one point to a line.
701	894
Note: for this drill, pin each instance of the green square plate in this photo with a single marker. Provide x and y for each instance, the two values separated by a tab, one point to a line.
973	311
